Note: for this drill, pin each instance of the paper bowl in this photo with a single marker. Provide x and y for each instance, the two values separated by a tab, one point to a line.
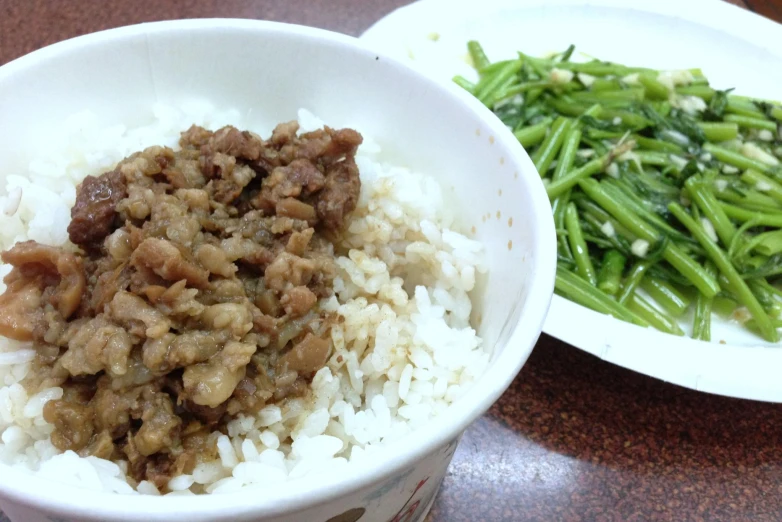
270	70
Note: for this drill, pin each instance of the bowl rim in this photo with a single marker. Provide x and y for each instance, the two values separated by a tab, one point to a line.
24	488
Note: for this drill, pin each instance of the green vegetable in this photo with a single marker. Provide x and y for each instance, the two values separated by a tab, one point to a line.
578	290
701	323
549	149
572	178
666	295
578	246
479	59
610	276
633	280
656	318
621	157
532	135
723	263
719	131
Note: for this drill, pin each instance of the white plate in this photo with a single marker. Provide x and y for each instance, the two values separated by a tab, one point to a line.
734	47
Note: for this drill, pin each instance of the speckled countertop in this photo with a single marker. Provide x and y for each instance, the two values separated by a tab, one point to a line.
574	438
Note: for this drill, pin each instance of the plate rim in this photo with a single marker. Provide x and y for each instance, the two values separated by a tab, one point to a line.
740	371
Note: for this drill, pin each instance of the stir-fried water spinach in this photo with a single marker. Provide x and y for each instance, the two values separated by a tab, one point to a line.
658	182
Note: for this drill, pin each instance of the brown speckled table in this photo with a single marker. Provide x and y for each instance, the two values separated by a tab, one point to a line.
574	438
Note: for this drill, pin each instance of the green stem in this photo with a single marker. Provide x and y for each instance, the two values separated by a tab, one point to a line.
579	291
568	181
666	295
609	278
534	134
479	59
657	145
673	254
549	149
743	107
751	123
736	159
701	91
567	154
578	246
654	89
465	84
708	204
743	215
658	319
719	131
762	183
633	280
722	262
701	323
489	84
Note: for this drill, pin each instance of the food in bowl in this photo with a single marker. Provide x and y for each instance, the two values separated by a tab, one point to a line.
225	311
686	218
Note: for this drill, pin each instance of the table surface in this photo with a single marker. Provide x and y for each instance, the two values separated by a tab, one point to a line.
574	438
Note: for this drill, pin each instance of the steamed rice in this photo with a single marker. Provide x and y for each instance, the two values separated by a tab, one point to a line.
403	354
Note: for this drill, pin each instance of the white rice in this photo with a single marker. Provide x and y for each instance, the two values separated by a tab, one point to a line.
403	354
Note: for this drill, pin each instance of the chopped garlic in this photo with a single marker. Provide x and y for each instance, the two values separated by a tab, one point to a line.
742	314
720	184
608	229
561	76
708	227
678	161
729	169
766	135
763	186
689	104
706	156
617	120
585	153
667	81
752	151
613	170
586	79
676	137
631	79
734	144
673	78
640	247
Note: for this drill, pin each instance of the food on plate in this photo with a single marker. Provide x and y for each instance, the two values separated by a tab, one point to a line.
224	311
666	193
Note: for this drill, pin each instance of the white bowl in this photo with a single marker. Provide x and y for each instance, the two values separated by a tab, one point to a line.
272	70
